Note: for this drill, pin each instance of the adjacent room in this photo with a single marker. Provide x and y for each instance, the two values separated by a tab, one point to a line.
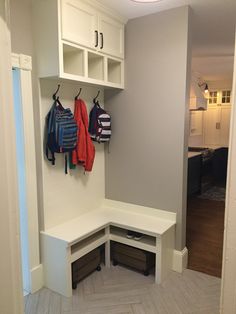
207	163
123	114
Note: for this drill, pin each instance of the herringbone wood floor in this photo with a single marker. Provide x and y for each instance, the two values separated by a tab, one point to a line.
122	291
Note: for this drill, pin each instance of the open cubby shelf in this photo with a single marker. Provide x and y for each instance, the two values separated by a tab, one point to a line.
114	71
73	60
89	66
95	66
147	242
85	246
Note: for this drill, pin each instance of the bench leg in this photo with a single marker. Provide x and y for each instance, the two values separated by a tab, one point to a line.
107	254
158	267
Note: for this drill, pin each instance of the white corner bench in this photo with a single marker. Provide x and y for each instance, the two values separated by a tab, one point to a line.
65	243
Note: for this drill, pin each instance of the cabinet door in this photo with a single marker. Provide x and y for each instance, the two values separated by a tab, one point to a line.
225	125
225	97
111	34
214	98
195	123
79	23
212	126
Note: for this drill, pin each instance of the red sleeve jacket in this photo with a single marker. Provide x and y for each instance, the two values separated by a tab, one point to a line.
84	153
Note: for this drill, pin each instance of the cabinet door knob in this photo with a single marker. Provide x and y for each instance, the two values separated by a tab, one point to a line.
102	41
96	42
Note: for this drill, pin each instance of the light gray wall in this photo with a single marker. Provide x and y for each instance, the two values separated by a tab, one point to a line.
147	161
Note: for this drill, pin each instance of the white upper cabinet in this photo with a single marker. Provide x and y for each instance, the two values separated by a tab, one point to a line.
196	121
220	97
79	40
111	34
217	126
225	125
212	124
84	25
225	97
217	118
79	23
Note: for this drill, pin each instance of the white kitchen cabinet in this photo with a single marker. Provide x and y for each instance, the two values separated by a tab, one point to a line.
85	25
225	97
217	118
78	23
79	40
111	34
196	123
225	125
211	126
214	98
219	97
217	125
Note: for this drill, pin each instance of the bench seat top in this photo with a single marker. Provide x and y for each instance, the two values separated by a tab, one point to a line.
86	224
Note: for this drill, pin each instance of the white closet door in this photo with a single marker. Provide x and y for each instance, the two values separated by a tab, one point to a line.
79	23
225	125
212	126
111	34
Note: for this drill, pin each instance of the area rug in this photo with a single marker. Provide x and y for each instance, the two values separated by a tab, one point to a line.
215	194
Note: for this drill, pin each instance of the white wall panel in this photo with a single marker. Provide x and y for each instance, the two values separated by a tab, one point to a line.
67	196
11	298
228	295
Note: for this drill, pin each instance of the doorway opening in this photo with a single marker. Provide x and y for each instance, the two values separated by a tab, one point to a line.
21	171
207	166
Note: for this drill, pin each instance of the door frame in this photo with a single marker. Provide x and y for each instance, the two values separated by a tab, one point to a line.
228	286
11	297
24	64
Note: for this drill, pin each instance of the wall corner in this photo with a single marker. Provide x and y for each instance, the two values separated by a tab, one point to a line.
180	260
37	281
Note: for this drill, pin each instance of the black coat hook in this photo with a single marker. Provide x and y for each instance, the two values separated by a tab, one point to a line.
54	96
77	96
94	100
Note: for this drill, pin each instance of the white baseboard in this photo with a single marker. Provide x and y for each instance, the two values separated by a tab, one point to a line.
180	260
36	278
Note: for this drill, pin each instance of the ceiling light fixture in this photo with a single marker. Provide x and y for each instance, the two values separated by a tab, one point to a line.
146	1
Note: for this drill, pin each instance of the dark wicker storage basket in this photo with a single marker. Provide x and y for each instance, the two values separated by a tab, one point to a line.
85	265
135	258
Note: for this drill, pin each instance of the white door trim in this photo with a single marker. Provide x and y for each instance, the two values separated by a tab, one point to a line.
11	296
24	64
228	288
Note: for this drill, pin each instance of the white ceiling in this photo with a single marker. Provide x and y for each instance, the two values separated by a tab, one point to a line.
213	29
213	69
